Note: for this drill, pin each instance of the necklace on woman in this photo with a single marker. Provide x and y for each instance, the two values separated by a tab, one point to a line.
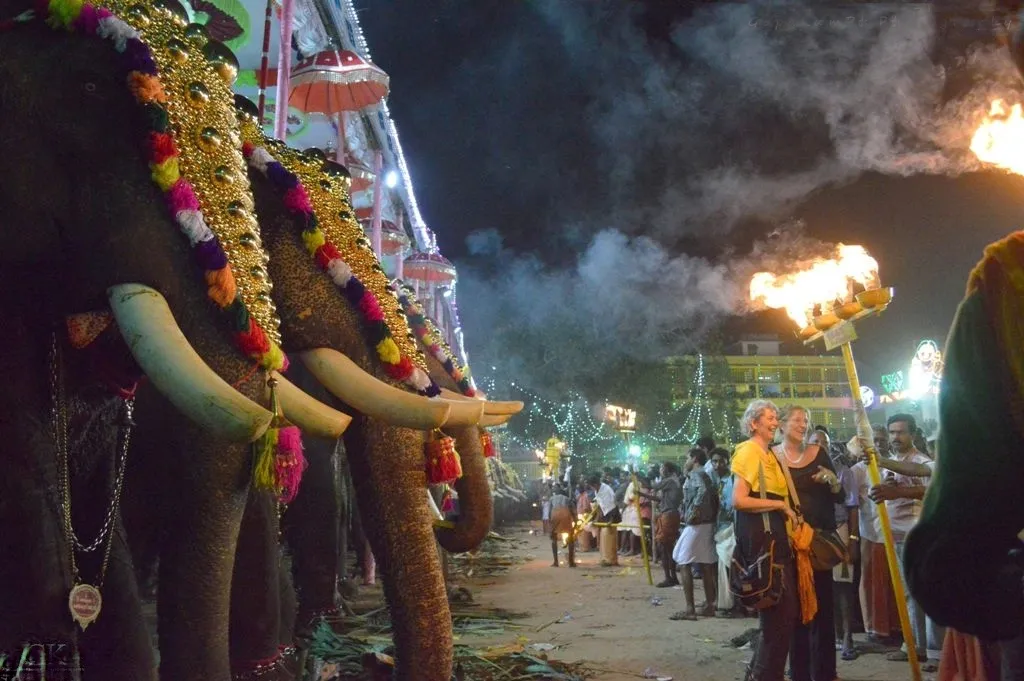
793	461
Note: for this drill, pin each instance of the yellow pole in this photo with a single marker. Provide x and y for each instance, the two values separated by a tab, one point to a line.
643	535
864	431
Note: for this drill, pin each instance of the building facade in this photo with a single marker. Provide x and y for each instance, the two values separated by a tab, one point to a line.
755	369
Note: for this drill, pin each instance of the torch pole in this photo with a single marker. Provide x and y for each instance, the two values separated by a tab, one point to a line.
864	432
639	518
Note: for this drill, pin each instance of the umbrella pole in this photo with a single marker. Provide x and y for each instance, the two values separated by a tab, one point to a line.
339	155
864	431
264	61
284	70
378	169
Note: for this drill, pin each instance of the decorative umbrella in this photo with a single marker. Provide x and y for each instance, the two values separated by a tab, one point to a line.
334	81
362	177
394	240
429	268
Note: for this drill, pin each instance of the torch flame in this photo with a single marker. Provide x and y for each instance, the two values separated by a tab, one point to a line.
999	138
825	281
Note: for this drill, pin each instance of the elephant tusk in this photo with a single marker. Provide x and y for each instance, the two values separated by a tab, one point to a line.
510	408
494	419
309	414
373	397
176	369
464	412
490	407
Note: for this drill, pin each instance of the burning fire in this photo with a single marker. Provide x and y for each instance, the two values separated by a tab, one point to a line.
999	139
824	282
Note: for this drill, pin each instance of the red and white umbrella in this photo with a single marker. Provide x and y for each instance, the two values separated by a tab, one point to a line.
429	268
336	81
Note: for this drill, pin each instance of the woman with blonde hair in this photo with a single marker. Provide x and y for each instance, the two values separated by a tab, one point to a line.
812	655
754	467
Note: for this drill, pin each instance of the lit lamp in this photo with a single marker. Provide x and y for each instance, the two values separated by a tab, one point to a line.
828	285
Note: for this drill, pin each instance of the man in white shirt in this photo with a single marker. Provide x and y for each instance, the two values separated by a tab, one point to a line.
877	601
902	495
604	500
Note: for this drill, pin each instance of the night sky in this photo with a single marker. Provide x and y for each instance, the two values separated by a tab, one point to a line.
608	174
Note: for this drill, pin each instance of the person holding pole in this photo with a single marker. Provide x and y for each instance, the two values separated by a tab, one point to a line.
668	492
902	495
696	543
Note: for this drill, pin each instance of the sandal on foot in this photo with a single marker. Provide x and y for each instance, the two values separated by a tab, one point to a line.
684	616
929	667
849	654
902	656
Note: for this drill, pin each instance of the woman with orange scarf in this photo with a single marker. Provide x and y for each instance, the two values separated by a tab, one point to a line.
754	467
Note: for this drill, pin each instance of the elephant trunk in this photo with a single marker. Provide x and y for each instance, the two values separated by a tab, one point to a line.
389	475
476	507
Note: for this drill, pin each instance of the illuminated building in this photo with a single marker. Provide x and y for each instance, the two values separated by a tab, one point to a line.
756	369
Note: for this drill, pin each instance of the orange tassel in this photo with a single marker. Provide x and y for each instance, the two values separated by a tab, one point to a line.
443	464
801	538
487	443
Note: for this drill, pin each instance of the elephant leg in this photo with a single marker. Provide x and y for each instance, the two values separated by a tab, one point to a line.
388	470
255	586
312	532
116	647
198	556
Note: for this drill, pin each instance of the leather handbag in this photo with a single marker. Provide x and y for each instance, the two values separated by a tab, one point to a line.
827	548
755	579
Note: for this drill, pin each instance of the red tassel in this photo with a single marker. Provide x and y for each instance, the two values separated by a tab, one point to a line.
289	464
487	443
443	464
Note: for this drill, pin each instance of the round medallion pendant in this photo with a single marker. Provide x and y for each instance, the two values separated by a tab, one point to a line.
85	602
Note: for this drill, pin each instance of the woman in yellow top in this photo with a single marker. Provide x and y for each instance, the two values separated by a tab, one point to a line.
760	421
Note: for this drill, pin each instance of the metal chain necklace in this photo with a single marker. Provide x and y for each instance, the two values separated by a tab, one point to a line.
85	600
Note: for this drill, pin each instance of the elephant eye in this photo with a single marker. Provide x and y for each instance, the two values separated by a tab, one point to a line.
90	88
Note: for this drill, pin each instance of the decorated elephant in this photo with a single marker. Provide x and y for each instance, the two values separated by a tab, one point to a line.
103	285
332	318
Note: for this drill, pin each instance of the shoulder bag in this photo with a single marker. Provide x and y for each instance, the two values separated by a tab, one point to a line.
827	548
755	579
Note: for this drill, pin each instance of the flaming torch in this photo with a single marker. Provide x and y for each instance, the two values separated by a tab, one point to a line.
820	299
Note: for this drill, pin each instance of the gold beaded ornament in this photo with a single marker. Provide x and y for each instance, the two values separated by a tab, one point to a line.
329	196
197	74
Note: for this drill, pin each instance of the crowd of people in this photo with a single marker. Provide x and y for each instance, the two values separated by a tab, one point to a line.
787	474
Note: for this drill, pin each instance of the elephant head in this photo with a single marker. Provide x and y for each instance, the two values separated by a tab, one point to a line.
91	166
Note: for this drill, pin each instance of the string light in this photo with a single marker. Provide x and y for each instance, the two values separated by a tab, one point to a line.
574	423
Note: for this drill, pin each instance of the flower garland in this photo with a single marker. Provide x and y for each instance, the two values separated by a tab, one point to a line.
279	452
430	337
328	257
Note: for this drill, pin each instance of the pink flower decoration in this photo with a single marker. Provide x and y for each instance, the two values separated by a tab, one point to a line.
297	200
370	308
181	197
103	13
88	20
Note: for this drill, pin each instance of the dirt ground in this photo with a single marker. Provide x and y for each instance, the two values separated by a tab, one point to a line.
607	617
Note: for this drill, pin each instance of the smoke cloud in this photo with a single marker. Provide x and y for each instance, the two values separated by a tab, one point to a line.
739	112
